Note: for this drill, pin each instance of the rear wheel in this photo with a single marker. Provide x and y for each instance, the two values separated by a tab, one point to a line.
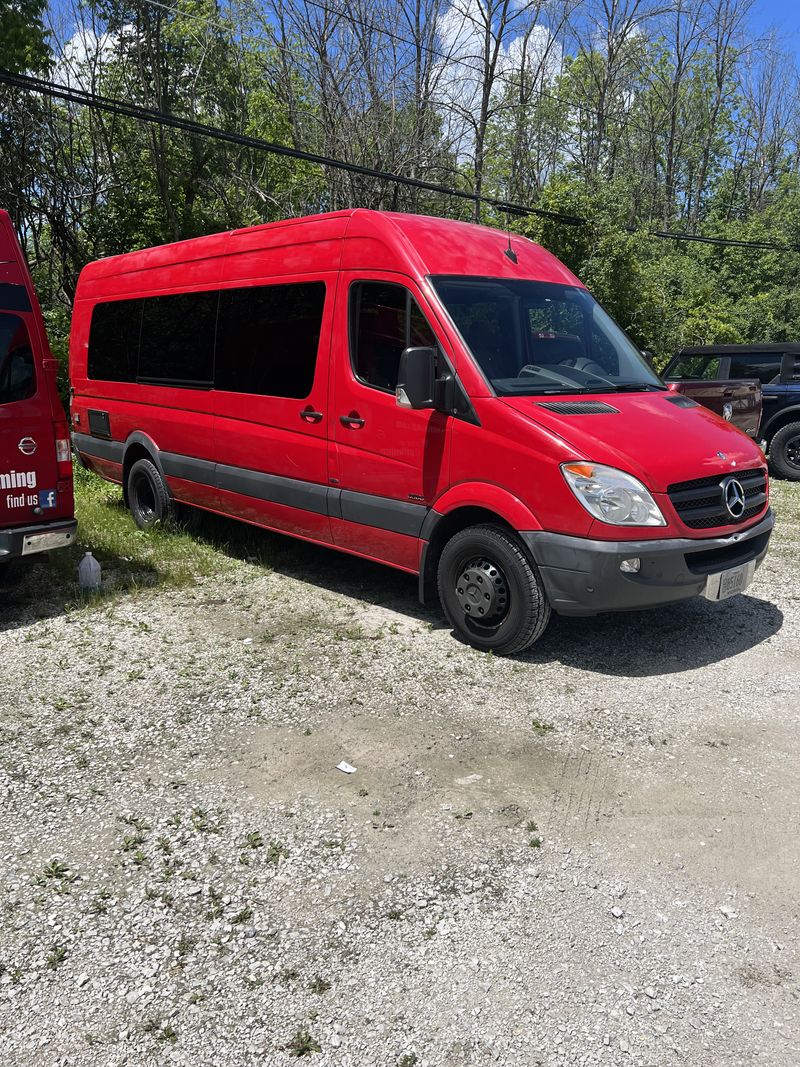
148	496
784	452
490	592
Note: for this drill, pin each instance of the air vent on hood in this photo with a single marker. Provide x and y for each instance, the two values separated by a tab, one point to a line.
682	401
580	407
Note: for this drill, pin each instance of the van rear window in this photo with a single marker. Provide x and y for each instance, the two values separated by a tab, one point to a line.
114	341
17	367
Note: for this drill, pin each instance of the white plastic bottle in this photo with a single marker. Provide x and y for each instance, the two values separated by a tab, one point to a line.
89	572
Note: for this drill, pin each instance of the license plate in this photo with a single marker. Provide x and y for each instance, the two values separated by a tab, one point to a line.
729	583
43	542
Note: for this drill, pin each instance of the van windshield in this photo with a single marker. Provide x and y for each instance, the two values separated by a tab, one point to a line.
17	371
538	338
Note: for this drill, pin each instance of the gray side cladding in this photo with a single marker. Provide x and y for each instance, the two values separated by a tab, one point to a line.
383	513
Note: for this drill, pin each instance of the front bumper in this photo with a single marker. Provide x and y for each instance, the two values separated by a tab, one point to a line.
582	576
44	536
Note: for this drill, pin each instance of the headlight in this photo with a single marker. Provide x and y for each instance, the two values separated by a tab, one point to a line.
612	496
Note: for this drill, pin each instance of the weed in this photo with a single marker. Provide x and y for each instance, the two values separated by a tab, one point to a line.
408	1059
531	827
541	727
56	873
56	957
131	842
319	985
535	842
276	852
363	792
302	1044
395	914
254	839
242	916
464	815
99	906
160	1030
136	821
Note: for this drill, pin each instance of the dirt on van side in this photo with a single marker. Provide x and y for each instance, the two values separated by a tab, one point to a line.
588	854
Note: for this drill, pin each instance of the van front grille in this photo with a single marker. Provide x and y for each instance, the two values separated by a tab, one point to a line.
700	503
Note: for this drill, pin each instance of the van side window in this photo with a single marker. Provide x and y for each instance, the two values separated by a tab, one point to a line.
17	369
384	320
268	338
114	341
766	367
177	341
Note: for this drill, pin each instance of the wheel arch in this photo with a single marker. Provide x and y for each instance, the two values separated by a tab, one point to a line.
467	505
778	421
140	446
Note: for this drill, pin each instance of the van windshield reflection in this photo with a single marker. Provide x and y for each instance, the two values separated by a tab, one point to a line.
541	339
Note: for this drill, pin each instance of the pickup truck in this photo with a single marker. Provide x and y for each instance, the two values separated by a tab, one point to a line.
695	373
776	367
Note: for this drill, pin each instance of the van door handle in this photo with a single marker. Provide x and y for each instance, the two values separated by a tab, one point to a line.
309	415
352	421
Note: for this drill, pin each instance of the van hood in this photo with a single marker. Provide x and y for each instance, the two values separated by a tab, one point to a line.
646	435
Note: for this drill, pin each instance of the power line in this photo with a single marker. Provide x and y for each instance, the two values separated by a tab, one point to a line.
729	242
163	118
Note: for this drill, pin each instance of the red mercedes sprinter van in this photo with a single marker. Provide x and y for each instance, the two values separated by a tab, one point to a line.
36	501
420	392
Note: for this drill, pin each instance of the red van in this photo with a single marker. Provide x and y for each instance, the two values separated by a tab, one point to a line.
422	392
36	500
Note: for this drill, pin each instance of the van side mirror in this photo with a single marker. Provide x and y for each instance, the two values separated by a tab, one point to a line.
416	378
649	355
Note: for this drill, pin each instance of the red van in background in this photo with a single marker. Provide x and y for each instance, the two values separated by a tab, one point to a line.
36	499
426	393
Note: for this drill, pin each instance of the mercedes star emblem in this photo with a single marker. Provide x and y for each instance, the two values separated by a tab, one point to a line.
733	496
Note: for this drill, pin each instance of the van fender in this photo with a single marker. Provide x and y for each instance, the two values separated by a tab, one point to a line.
149	445
489	499
481	495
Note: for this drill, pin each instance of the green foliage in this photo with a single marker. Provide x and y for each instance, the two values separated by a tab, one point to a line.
23	39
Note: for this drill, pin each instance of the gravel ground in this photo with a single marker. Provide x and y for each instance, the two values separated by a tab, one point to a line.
585	855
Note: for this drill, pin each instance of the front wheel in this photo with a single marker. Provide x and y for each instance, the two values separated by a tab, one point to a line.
490	592
784	452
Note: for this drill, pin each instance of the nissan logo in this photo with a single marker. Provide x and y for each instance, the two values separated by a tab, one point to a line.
27	446
733	496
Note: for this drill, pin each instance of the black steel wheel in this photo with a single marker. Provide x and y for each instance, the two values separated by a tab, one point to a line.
784	452
490	591
148	496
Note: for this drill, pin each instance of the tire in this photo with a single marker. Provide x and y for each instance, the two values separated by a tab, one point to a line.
784	452
148	496
484	569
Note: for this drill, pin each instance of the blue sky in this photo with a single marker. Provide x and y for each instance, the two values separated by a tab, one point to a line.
784	15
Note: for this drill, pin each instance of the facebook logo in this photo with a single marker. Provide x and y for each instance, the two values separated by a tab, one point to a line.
47	498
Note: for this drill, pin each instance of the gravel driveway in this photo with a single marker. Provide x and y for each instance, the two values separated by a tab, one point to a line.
585	855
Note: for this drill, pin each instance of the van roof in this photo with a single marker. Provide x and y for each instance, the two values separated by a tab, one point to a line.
424	243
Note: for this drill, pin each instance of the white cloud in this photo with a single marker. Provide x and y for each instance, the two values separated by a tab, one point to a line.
462	31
